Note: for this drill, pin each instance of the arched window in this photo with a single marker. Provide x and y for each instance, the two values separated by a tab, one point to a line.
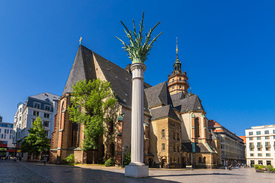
163	133
163	146
112	149
180	79
204	159
174	135
197	127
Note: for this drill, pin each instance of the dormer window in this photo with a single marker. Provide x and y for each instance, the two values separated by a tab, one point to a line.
48	108
37	105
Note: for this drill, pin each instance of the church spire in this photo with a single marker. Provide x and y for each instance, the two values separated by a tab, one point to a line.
177	65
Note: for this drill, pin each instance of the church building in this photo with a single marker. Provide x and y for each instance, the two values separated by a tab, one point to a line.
176	130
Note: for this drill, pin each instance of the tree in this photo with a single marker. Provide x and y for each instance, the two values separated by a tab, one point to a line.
37	140
91	105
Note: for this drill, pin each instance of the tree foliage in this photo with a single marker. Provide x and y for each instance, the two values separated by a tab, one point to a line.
37	140
91	102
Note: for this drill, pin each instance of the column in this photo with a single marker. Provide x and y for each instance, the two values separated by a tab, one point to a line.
137	168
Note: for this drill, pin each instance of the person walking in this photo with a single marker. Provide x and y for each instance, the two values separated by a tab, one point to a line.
45	161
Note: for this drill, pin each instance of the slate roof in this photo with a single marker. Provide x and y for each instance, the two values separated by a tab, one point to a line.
164	111
49	97
190	103
120	80
158	95
83	68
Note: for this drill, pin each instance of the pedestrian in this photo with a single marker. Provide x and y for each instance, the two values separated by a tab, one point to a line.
45	160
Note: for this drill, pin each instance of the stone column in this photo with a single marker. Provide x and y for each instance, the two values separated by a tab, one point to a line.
137	168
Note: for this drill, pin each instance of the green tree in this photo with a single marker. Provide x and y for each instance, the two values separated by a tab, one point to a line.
37	141
92	104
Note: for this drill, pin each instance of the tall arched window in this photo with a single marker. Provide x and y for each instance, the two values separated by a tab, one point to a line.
112	149
163	133
204	159
197	127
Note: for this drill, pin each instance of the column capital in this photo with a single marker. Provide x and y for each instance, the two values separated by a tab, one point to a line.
138	66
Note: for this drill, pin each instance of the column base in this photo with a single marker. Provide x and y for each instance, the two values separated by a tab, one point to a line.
137	171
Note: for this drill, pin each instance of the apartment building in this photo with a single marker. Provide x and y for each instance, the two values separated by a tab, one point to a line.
260	145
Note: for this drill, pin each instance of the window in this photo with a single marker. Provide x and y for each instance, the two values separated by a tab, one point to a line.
250	133
250	138
260	154
258	138
35	113
251	154
37	105
0	132
10	136
2	136
48	108
268	162
46	115
5	136
174	135
273	131
259	144
250	144
267	154
251	149
273	137
20	109
259	149
5	131
163	146
10	131
46	123
258	132
267	137
163	133
267	144
260	161
266	132
180	79
46	132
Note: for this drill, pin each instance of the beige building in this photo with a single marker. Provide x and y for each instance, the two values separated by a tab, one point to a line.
232	146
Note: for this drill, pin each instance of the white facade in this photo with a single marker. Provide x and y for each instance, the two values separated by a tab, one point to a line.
260	145
6	132
43	105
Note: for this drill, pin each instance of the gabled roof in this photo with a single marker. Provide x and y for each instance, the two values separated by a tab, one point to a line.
83	68
158	95
190	103
164	111
120	80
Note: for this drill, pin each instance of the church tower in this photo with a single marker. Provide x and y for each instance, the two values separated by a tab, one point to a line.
177	81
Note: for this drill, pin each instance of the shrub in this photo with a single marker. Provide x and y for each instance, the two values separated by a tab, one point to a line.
127	159
260	167
109	162
269	167
256	166
70	158
272	170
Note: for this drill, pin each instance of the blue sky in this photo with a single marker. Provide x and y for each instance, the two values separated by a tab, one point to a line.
226	48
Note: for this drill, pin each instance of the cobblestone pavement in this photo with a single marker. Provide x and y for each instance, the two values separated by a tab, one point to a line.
34	172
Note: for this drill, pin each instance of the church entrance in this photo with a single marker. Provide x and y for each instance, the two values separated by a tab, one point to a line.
163	163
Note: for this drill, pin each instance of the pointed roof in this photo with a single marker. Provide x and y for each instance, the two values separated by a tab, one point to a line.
120	80
190	103
83	68
164	111
158	95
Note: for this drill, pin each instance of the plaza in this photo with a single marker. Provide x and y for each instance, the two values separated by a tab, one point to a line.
35	172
